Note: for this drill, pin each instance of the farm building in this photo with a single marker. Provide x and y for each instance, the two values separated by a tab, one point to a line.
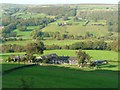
50	58
64	59
55	59
73	61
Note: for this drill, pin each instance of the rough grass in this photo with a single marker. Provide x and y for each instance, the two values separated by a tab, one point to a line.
61	77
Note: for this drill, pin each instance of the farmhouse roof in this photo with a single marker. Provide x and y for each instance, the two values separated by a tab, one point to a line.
48	56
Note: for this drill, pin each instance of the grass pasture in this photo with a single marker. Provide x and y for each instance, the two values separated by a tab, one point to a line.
95	54
77	28
10	66
54	76
100	27
23	34
111	56
26	34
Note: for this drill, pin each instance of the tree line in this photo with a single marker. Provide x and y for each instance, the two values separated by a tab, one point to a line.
88	45
38	34
39	47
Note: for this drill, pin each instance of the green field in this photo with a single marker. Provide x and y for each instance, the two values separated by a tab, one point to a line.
83	22
111	56
77	28
61	77
95	54
10	66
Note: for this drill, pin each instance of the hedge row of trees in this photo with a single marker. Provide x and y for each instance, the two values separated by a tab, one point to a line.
39	35
40	47
87	45
31	48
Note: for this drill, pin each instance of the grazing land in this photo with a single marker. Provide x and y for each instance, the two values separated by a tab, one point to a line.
95	54
54	76
43	35
111	56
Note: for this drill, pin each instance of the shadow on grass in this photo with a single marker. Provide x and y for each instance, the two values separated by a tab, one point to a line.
99	70
48	75
109	66
6	68
15	67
